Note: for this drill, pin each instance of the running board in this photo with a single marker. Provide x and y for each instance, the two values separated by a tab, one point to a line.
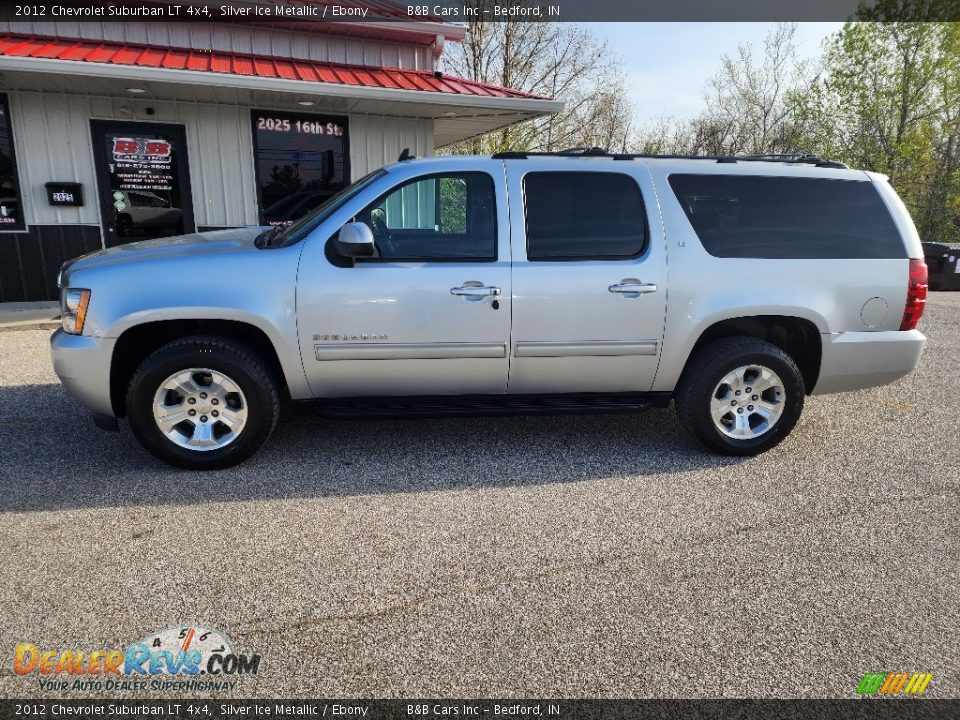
484	405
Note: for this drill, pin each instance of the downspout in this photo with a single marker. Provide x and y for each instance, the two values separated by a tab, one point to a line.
437	47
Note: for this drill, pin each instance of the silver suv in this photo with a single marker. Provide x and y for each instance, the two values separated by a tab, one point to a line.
513	283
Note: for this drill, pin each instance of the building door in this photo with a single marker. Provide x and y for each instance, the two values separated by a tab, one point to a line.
143	180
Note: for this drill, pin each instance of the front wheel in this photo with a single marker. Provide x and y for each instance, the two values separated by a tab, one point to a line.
203	403
740	396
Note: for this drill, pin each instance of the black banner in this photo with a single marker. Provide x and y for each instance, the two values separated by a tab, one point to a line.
866	709
308	11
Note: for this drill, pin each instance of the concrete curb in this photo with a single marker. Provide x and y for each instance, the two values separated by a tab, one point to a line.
35	315
29	325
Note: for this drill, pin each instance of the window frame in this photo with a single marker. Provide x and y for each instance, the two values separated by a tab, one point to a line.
419	178
21	225
644	246
341	120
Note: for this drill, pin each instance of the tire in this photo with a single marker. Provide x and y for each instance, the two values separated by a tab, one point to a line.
242	394
702	396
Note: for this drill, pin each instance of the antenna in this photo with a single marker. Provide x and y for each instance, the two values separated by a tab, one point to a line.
405	155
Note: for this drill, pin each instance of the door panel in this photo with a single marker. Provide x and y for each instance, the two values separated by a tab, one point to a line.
143	180
409	327
393	329
583	324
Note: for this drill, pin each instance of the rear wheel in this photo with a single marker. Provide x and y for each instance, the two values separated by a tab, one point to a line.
203	403
740	396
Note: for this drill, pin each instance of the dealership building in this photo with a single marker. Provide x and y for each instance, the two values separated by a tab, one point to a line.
118	132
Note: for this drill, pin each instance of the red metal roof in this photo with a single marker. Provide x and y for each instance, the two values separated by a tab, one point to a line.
215	61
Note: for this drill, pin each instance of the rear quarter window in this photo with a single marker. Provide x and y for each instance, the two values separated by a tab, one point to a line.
755	216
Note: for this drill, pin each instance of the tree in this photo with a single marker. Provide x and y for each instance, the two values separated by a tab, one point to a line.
286	177
562	61
886	101
749	105
941	212
907	10
885	97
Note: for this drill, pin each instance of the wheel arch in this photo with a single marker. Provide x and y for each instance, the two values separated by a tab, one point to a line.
137	342
798	337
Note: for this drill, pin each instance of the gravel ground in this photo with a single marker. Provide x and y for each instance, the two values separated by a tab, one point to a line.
574	556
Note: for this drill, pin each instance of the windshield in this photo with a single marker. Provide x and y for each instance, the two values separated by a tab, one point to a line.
297	231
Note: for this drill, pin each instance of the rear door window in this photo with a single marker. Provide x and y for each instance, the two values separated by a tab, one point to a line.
583	216
754	216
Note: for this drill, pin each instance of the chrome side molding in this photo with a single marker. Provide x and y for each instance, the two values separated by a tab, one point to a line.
534	348
409	351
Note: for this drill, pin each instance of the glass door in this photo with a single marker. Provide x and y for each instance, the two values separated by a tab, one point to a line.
143	180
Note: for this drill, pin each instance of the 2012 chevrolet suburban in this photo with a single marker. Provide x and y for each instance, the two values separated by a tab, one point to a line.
734	287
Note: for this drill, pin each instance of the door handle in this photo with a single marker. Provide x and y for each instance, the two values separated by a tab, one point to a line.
475	291
633	288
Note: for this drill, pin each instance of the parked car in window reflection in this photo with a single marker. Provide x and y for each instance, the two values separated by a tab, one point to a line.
146	213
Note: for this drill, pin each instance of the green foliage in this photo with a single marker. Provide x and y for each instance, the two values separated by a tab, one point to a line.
453	205
908	10
887	100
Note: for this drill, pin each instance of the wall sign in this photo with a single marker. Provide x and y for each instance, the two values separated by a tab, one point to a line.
65	194
143	163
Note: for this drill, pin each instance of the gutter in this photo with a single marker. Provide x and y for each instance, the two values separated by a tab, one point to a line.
253	82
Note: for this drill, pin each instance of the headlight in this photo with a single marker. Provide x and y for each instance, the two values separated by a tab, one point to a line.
73	309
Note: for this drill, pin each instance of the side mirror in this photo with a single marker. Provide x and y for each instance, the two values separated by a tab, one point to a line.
355	240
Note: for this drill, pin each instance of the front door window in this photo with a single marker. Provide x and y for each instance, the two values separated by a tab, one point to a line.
437	217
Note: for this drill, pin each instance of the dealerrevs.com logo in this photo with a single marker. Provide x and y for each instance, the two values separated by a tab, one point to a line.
189	658
895	683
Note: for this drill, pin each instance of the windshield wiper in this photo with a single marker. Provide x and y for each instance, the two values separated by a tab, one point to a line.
266	238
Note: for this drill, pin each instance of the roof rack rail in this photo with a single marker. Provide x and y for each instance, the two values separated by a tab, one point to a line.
799	159
584	151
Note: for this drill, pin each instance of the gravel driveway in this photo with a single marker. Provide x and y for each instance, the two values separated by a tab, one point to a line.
571	556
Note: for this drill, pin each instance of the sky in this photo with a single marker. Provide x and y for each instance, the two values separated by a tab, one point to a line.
668	64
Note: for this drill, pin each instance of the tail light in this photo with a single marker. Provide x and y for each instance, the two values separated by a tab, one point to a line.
916	294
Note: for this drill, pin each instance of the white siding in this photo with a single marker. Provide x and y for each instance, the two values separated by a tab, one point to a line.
378	140
242	39
52	135
220	142
52	139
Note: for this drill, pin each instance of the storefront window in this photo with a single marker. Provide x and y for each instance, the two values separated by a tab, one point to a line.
11	209
301	163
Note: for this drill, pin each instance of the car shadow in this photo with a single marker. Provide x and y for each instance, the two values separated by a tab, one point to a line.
52	457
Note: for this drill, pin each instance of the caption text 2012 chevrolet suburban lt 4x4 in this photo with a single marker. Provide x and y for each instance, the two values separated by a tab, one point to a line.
518	283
